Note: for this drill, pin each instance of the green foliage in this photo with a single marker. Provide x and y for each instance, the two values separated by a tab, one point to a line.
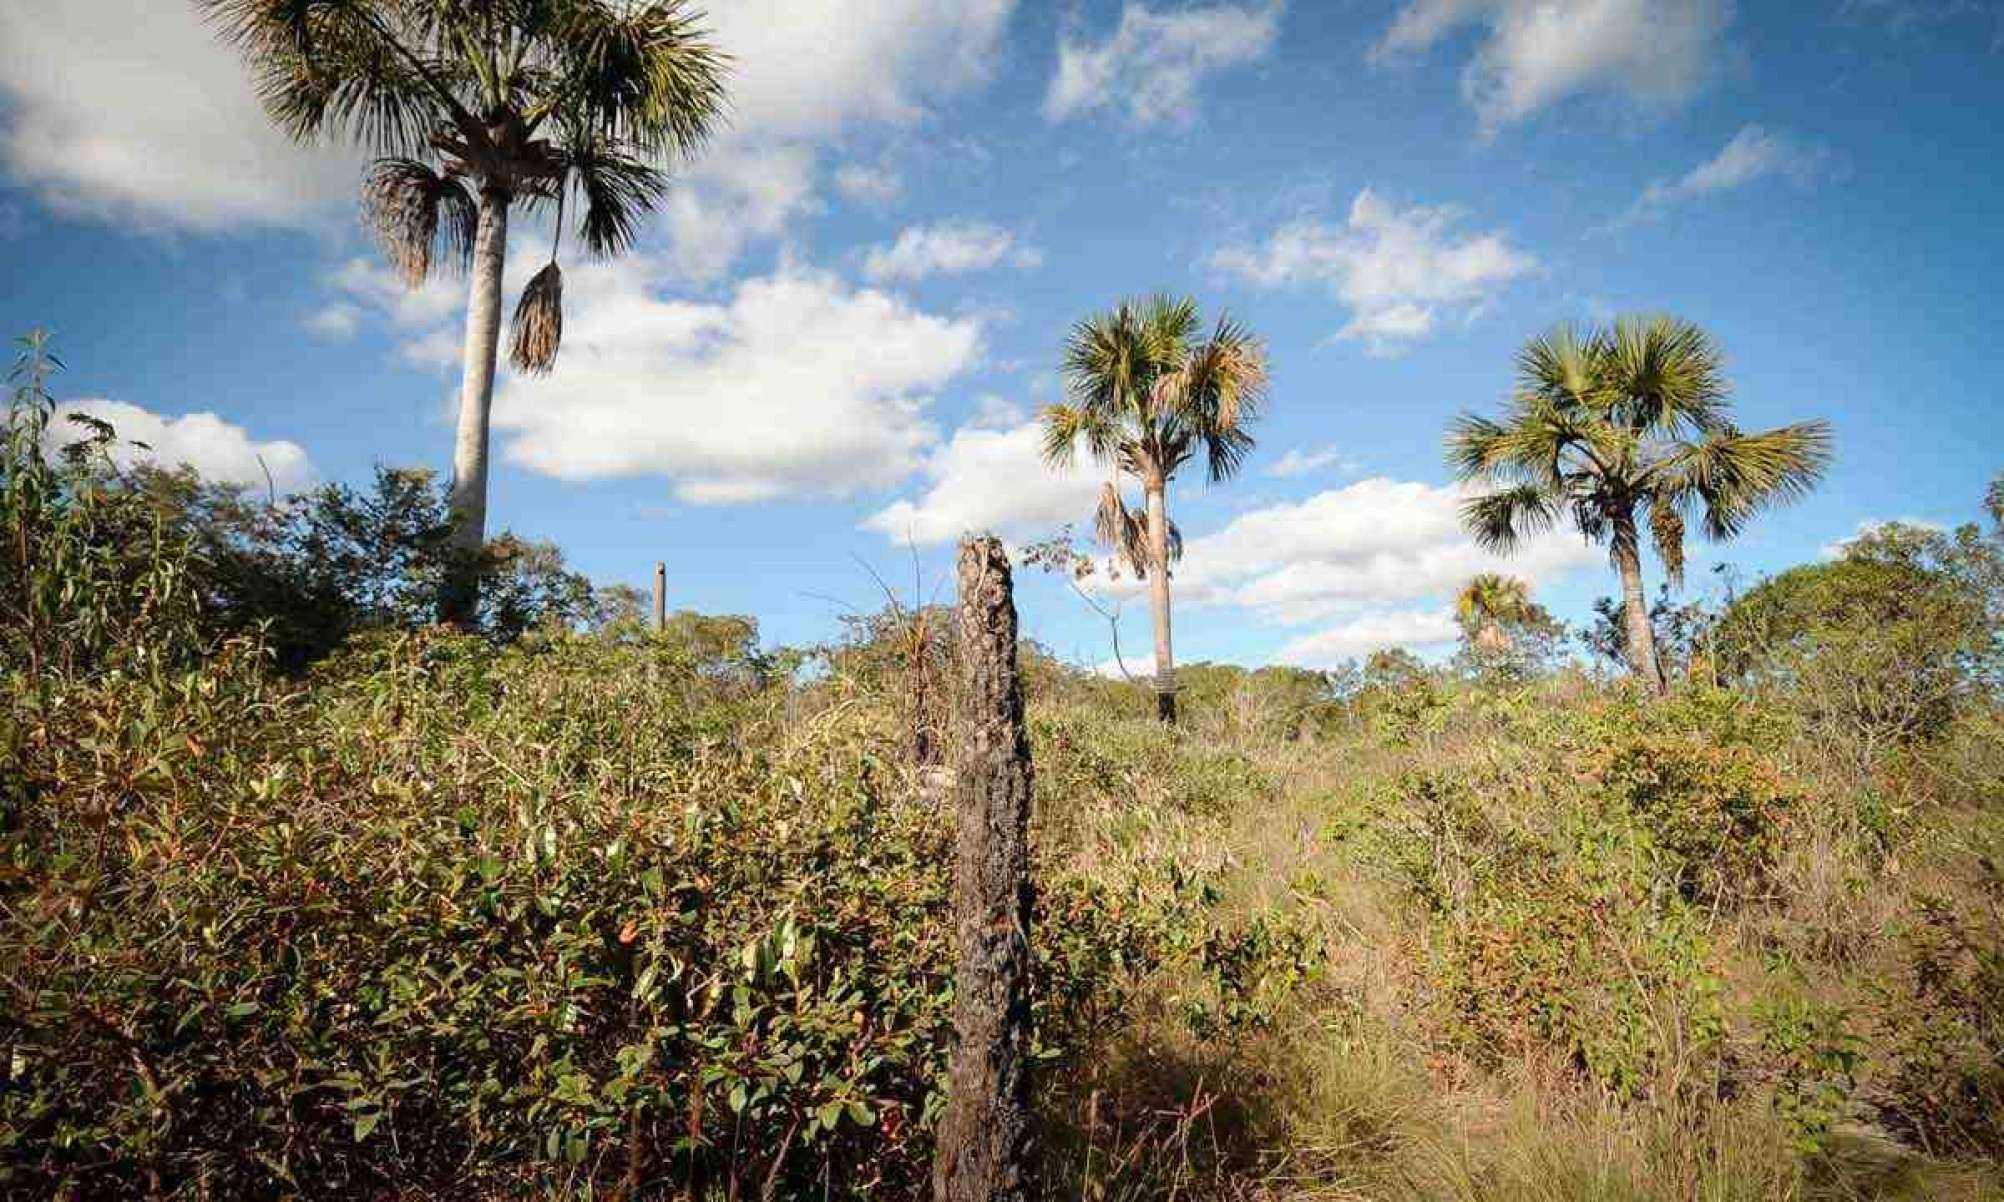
556	914
1947	1083
93	580
1820	1055
314	569
1572	919
1881	649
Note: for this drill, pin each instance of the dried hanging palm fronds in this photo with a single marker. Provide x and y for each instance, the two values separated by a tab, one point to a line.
413	209
1122	531
538	327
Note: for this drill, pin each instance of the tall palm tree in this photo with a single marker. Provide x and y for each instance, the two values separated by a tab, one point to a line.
478	107
1149	391
1490	605
1619	428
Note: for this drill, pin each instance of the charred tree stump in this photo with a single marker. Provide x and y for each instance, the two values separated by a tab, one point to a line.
984	1133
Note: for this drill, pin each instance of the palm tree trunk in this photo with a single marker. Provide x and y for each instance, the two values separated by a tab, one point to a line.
467	503
1641	637
1158	595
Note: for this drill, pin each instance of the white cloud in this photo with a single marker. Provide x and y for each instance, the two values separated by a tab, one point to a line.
1394	269
993	412
734	197
948	248
1415	630
877	186
134	112
794	385
1754	153
985	479
1370	545
216	449
338	321
809	67
1299	461
1151	65
1534	53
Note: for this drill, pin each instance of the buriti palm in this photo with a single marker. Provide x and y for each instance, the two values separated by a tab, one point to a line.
1621	429
480	107
1149	392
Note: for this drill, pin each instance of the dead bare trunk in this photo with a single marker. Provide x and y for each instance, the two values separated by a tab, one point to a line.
984	1133
467	502
1639	634
1158	598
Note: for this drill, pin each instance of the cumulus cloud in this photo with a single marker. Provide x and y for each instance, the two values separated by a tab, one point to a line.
1414	630
133	111
1753	154
793	385
988	479
1535	53
1150	67
1299	461
1396	270
731	200
948	248
216	449
809	67
1371	545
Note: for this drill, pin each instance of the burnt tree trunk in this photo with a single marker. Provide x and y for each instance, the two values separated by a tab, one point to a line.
984	1134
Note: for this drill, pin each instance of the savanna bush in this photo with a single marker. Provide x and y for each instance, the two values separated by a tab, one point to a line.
586	915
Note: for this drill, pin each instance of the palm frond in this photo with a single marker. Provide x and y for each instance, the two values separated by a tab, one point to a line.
1500	521
618	190
1061	426
538	328
414	211
1737	475
1120	530
327	65
1668	374
645	74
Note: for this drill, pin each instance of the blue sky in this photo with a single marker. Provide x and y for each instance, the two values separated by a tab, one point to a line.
832	339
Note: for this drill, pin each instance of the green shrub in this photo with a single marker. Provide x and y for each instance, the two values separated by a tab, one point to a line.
589	912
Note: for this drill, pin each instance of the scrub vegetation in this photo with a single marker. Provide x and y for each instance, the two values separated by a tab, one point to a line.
302	896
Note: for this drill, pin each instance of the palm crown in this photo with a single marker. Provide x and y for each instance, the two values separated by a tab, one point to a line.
1147	397
1624	426
1491	601
536	101
1626	423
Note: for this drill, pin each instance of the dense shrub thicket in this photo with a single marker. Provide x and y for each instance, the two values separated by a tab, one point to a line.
569	908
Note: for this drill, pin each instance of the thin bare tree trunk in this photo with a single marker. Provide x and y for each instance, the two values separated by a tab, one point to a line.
1641	637
1158	598
467	502
984	1134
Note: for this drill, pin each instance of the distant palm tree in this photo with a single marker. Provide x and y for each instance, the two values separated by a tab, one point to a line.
1149	392
1490	605
1619	427
478	106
